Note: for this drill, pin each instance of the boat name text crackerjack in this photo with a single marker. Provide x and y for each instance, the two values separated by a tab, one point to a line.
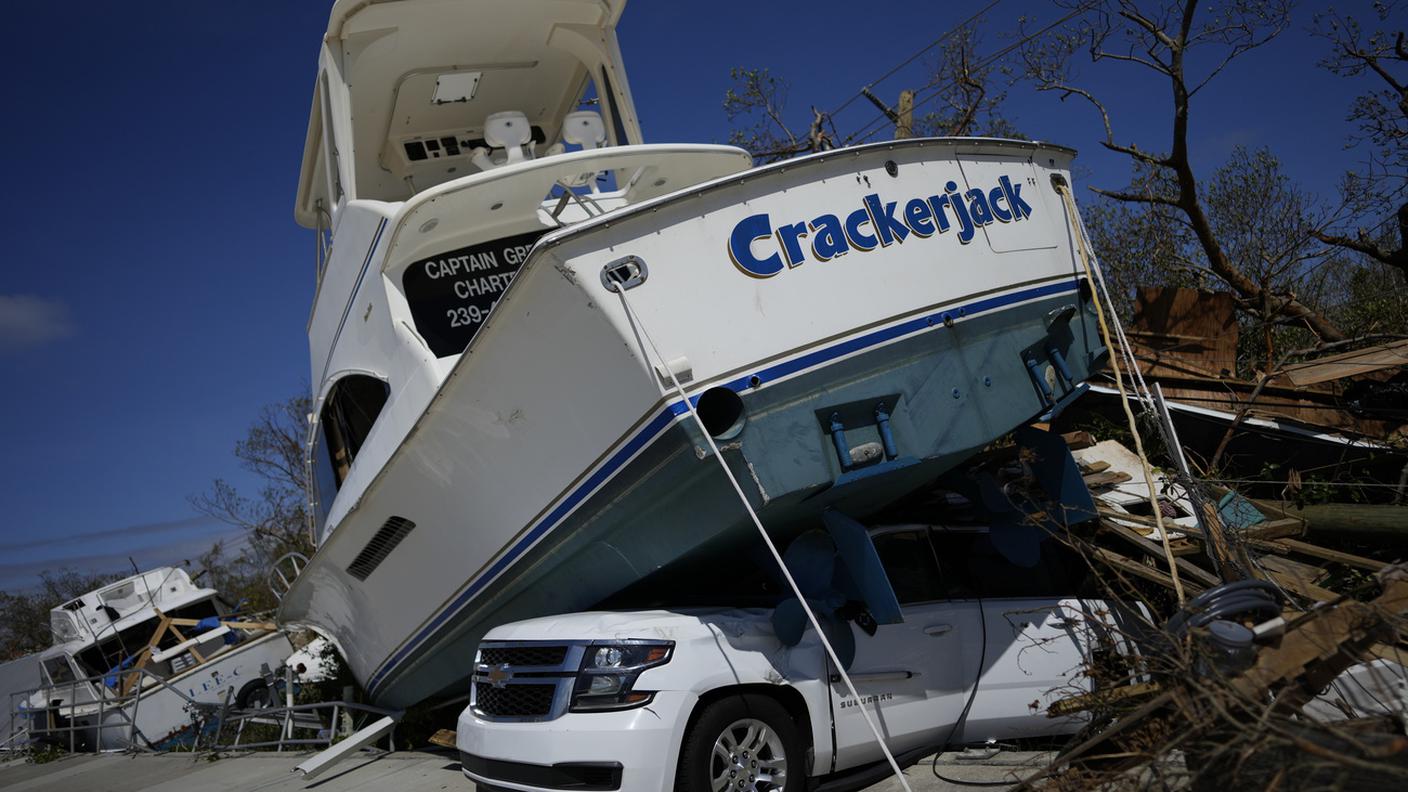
876	223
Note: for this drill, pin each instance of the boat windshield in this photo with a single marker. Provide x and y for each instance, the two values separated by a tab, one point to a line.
58	670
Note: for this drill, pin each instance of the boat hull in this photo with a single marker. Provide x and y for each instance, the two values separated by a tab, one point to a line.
161	716
556	465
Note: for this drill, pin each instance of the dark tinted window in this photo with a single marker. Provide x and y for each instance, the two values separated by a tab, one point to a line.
909	563
972	566
349	412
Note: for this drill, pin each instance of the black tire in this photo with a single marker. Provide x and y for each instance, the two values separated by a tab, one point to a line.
730	719
255	694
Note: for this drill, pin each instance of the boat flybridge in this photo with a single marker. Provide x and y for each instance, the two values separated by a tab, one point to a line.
518	302
128	659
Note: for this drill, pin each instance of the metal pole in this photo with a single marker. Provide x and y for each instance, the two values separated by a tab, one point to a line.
904	127
1213	540
288	699
132	730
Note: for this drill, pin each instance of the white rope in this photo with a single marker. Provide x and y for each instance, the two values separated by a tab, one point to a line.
1086	255
767	540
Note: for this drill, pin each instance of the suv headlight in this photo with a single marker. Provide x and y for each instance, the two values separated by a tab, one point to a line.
609	670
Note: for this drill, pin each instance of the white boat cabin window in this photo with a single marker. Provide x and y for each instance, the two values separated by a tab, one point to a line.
349	412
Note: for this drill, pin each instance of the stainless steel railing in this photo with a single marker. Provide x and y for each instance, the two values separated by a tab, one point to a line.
288	720
82	698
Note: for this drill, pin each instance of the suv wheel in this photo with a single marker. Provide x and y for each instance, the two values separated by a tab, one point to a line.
746	743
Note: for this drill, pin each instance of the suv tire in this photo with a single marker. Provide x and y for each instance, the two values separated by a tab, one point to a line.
759	748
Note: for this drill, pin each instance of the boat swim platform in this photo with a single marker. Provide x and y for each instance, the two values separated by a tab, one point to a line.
403	771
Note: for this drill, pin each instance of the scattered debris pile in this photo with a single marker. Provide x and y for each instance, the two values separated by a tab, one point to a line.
1267	660
1336	416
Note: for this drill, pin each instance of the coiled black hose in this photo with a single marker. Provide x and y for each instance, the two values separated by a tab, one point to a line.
1257	598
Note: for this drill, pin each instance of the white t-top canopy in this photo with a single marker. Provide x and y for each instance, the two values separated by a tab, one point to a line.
404	88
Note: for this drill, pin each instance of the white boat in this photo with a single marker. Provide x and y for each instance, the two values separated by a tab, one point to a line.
133	661
495	436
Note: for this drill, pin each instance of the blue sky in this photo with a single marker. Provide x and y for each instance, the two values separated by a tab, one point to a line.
155	289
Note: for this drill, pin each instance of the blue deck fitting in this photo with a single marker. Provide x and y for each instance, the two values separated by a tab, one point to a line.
887	437
1059	361
838	439
1033	368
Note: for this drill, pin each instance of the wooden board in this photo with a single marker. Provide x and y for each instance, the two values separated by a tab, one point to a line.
1347	364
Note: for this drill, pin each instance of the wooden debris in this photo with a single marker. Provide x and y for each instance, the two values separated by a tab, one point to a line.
1100	698
1324	553
1079	440
1321	644
1106	478
445	738
1155	550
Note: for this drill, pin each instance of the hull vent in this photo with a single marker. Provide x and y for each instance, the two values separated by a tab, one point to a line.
387	537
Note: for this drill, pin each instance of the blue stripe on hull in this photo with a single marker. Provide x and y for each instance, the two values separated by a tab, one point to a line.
670	414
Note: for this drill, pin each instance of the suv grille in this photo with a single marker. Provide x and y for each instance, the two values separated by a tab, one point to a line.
514	701
523	655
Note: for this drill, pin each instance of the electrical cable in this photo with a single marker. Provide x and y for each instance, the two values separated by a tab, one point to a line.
637	324
871	127
936	42
963	716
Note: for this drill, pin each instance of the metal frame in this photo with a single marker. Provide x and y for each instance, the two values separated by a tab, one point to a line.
107	702
286	718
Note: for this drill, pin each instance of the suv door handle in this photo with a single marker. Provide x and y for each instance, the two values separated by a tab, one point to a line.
877	676
936	630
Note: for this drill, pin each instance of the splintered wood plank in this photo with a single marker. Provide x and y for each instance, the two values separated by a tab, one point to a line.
1316	551
1078	440
1156	551
1130	566
1085	701
1290	575
1275	529
1322	634
1106	478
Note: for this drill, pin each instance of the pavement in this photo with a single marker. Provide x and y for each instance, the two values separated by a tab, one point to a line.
403	771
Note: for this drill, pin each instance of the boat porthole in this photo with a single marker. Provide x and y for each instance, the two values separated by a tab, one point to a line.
754	381
721	411
891	168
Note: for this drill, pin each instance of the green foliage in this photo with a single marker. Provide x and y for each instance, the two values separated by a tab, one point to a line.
275	520
1266	226
44	753
969	94
756	102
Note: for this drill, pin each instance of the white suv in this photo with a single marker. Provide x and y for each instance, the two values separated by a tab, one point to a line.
711	699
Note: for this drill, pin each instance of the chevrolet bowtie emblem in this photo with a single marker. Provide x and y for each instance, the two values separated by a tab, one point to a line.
500	675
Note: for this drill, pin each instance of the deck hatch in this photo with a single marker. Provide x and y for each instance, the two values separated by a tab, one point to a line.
380	546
